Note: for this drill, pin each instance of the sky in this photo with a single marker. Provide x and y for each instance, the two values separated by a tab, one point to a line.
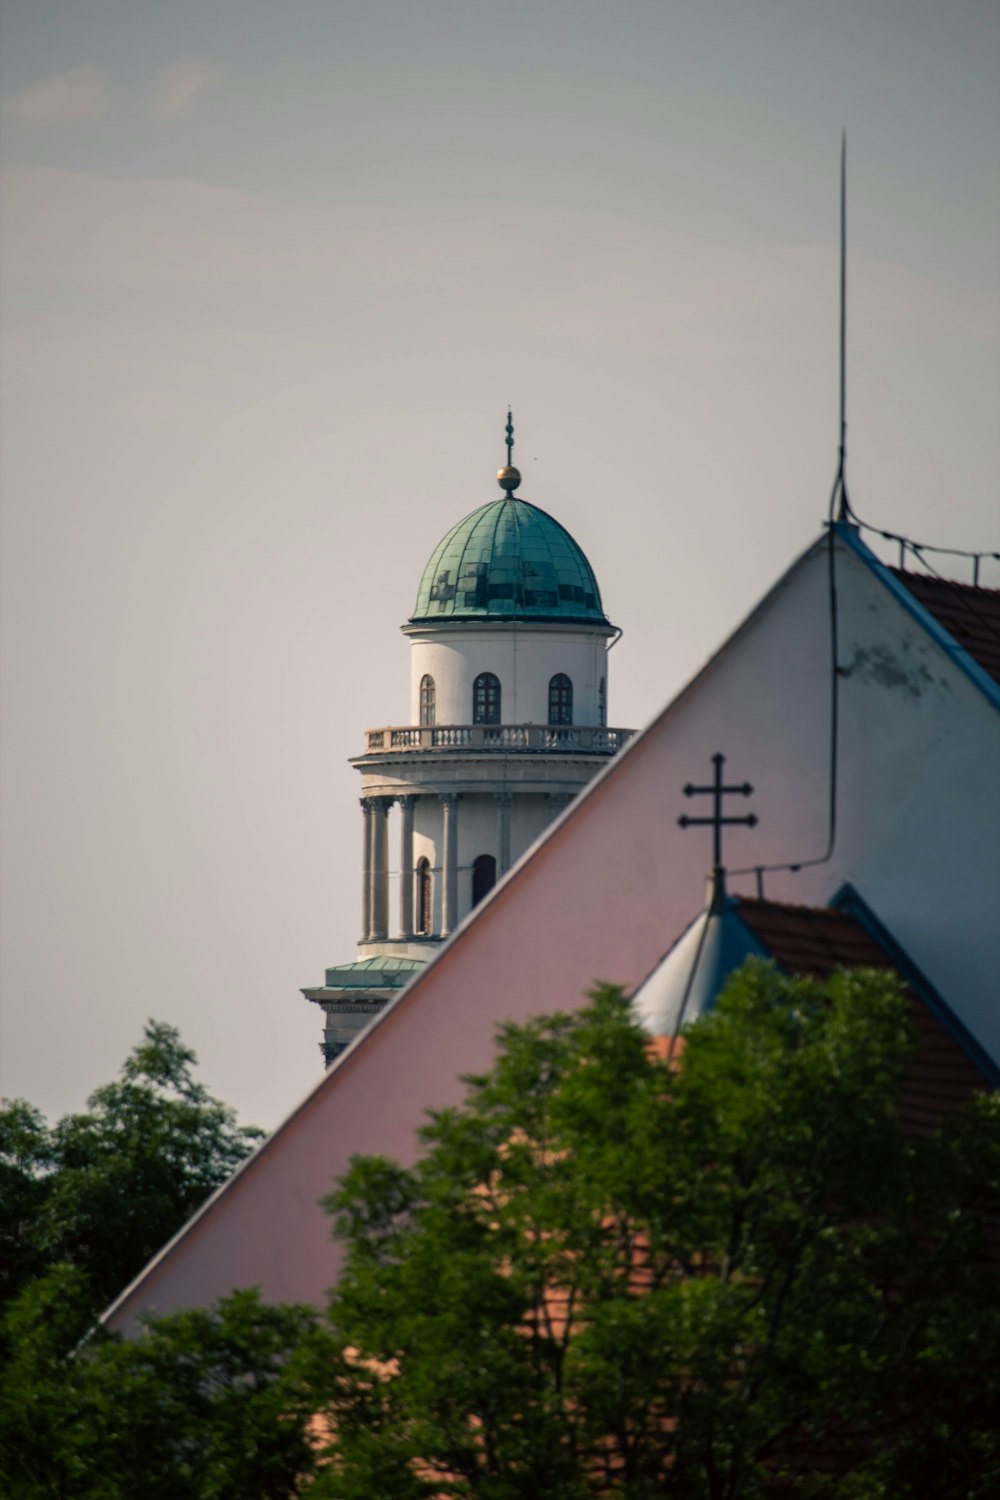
271	275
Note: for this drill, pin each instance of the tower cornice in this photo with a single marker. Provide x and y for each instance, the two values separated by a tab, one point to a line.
426	629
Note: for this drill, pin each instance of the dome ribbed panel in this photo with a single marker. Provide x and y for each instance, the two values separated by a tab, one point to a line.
508	560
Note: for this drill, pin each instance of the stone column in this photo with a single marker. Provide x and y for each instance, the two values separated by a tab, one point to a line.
557	801
449	840
503	801
406	867
368	824
380	868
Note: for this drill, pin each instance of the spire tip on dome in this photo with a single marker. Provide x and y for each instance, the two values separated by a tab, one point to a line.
508	478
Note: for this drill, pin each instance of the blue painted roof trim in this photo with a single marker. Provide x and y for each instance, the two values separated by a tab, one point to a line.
851	538
850	900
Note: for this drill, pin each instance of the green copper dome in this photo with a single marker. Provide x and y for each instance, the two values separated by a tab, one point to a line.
508	560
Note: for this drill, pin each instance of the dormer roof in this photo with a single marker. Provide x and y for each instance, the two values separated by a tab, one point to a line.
814	942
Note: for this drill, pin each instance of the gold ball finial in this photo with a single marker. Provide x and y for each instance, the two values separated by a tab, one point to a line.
508	478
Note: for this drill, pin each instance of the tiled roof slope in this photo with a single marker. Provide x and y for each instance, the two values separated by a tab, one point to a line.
813	942
970	615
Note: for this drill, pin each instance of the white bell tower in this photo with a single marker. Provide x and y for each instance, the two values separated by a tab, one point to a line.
508	719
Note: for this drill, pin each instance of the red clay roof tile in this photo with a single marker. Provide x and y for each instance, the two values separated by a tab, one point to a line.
814	942
970	615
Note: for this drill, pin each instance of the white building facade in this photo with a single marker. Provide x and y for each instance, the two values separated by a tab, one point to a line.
509	648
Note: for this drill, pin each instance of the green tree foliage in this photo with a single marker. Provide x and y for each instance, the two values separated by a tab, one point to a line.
606	1278
198	1406
25	1161
104	1190
732	1279
43	1442
201	1404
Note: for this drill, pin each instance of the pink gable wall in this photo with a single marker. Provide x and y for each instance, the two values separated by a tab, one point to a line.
603	894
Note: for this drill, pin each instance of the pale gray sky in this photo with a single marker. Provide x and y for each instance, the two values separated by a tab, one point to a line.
271	275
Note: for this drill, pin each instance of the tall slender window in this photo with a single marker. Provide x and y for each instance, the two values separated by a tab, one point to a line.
484	876
560	699
486	699
427	700
602	704
425	898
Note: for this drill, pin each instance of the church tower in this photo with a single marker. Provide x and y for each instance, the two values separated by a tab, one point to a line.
509	651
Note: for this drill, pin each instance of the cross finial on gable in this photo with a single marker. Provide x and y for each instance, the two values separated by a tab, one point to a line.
718	820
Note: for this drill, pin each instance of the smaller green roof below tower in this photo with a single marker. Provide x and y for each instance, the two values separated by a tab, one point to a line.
508	560
380	972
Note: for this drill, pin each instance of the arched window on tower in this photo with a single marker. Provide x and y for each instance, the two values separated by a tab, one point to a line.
560	699
486	699
602	704
425	898
484	876
428	707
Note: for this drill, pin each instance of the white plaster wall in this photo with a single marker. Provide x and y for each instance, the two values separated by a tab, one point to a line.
530	816
523	657
919	820
920	805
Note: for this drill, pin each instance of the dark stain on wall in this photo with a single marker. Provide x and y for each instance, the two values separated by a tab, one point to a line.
897	672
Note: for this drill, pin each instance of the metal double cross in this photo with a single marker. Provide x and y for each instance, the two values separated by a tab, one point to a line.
718	819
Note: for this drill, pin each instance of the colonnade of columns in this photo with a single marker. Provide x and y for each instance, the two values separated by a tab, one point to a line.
375	859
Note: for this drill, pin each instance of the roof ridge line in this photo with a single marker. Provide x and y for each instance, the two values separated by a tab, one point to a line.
740	900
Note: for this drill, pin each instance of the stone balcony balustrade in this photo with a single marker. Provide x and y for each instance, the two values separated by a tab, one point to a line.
506	739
